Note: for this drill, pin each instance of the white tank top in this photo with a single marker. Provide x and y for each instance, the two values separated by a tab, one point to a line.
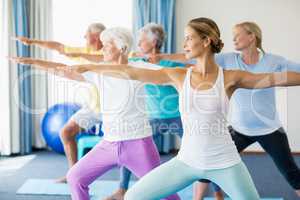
123	109
206	143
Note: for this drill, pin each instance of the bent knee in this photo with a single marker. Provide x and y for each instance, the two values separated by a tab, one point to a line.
73	177
69	131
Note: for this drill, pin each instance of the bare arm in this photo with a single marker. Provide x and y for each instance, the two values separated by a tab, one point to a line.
59	69
160	76
249	80
89	57
180	57
59	47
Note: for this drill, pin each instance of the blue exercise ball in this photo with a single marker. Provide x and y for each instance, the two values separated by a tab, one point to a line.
54	120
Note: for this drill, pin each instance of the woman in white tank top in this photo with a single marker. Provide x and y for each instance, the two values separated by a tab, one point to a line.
207	143
207	149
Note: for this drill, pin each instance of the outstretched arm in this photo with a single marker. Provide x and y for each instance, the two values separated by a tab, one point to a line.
159	76
59	47
153	58
180	57
287	65
89	57
249	80
59	69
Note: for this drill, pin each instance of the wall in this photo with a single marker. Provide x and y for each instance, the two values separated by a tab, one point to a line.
279	22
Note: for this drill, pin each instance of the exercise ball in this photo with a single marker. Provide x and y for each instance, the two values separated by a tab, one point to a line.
54	120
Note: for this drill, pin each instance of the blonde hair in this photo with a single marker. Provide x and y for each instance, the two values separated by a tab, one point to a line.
207	28
253	28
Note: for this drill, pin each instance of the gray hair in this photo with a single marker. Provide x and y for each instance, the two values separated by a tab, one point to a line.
154	32
122	38
96	27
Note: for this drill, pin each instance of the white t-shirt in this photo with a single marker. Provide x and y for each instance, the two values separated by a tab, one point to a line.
122	105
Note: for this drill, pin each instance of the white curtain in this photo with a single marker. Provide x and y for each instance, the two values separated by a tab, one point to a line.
9	101
40	27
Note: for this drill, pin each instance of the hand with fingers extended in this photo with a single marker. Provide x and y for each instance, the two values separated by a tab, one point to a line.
24	40
22	60
59	69
37	62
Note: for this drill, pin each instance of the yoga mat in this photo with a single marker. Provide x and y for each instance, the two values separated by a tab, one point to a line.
99	189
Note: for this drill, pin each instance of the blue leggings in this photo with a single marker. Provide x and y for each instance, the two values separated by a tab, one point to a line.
165	180
160	126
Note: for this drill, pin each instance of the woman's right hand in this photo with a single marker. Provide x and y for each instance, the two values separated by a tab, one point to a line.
24	40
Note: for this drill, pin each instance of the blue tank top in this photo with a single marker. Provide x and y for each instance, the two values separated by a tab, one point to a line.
162	101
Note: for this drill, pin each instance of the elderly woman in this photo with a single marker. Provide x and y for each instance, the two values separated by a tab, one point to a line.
127	134
161	101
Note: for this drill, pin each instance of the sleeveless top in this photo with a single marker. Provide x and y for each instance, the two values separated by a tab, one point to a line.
206	142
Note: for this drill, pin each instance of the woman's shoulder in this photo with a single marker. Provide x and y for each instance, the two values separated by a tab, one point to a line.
271	56
227	55
178	70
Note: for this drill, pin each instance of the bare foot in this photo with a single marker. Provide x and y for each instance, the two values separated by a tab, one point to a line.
298	192
117	195
219	195
61	180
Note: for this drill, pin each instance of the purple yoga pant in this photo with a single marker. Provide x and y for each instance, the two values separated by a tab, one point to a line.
139	156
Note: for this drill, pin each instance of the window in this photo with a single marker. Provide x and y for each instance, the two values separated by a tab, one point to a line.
70	21
71	17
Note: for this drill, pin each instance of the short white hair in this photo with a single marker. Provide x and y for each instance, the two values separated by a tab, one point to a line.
122	38
154	32
96	27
